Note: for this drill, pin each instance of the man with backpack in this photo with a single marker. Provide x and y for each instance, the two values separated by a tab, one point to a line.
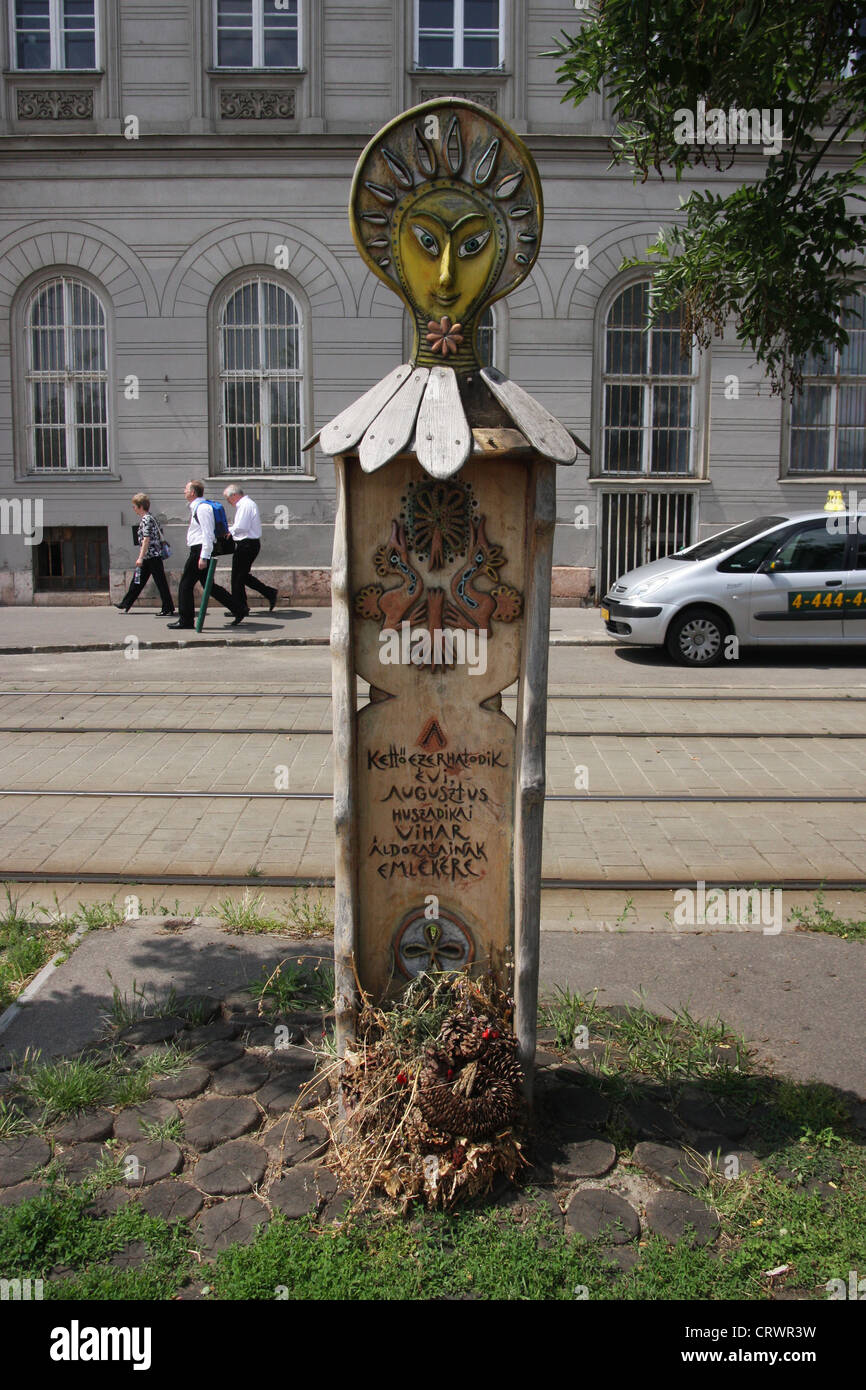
202	539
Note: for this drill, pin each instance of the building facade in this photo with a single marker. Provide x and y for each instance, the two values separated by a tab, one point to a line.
181	296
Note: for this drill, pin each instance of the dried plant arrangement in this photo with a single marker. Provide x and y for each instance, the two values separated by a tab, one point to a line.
430	1096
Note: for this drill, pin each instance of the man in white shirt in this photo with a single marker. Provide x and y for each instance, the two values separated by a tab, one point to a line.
247	532
200	539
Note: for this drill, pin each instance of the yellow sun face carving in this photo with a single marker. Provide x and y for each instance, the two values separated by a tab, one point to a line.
447	249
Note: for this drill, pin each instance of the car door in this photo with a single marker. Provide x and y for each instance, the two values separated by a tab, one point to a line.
799	592
854	619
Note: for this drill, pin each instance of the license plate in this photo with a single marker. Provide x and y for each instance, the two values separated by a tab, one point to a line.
605	615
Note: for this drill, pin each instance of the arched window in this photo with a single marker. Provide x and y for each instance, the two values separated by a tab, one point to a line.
67	378
828	417
261	372
649	390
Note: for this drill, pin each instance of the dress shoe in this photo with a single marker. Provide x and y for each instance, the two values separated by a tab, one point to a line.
122	606
190	627
239	617
272	601
166	613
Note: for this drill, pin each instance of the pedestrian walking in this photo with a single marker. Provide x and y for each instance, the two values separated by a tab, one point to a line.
247	532
200	539
153	549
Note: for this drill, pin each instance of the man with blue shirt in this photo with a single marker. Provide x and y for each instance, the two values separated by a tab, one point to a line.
200	539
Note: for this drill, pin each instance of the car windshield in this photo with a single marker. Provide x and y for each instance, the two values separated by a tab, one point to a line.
726	540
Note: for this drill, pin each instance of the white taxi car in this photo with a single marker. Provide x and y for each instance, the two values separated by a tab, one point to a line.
780	579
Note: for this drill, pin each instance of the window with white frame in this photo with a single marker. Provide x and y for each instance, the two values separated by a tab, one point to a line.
261	374
828	417
67	378
458	33
485	338
649	390
257	34
50	34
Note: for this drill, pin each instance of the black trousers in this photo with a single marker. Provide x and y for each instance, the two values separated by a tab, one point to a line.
242	561
191	576
155	570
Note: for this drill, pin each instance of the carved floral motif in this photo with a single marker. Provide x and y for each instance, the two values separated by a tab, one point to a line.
256	106
438	528
53	104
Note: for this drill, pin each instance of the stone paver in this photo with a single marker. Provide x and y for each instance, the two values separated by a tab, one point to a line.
671	1214
131	1256
242	1077
20	1158
81	1161
109	1202
594	1212
232	1168
222	1030
297	1193
234	1222
295	1141
150	1161
190	1082
669	1166
21	1192
219	1054
584	1158
133	1122
172	1201
281	1093
218	1118
152	1030
90	1125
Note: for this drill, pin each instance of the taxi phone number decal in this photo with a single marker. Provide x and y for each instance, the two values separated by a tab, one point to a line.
807	601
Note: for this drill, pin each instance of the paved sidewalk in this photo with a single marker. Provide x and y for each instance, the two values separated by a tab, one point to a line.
31	629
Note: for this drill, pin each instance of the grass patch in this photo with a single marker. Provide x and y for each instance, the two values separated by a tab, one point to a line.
820	918
304	915
638	1040
309	916
133	1006
29	937
248	914
65	1086
293	985
55	1229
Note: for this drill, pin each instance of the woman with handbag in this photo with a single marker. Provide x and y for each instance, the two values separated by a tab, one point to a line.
153	549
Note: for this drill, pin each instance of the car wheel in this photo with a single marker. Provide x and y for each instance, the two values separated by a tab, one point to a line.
697	637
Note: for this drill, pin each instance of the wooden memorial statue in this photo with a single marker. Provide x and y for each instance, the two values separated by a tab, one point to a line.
441	579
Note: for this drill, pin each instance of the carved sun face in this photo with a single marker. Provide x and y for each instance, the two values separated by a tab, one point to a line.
447	248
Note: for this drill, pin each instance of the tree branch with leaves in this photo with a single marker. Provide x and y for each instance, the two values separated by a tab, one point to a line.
780	254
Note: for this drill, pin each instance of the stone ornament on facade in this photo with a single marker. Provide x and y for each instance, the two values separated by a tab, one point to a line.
55	105
256	106
488	99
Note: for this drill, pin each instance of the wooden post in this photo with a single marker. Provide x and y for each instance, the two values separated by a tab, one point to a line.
344	698
446	503
530	763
